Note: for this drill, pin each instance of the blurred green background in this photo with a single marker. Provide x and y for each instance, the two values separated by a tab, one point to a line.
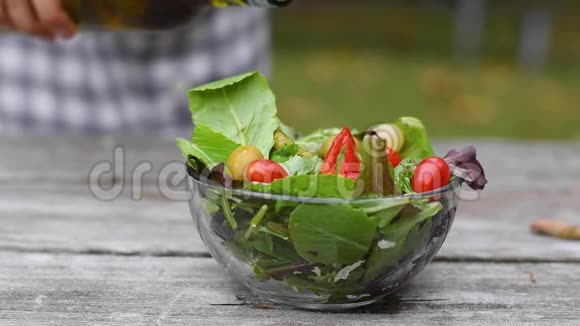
373	61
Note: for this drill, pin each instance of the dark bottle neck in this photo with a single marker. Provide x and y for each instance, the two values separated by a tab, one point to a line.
268	3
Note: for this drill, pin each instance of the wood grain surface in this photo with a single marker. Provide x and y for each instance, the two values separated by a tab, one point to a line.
109	290
69	258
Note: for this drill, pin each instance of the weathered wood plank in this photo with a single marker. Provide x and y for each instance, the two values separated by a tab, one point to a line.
39	289
70	159
510	165
67	218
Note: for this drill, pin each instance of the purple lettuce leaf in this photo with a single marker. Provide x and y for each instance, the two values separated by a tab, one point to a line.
464	165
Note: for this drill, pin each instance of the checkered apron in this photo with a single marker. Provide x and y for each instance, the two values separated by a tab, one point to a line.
125	83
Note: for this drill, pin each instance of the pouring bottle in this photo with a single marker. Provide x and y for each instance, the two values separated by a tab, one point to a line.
148	14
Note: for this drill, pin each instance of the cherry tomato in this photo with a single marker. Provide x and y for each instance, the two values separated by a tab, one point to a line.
394	157
265	171
240	158
432	173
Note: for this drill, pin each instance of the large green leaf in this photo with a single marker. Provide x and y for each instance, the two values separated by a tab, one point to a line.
393	247
308	186
208	146
331	234
399	239
417	144
242	108
383	210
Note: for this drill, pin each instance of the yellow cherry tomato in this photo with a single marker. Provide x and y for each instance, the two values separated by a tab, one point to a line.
240	158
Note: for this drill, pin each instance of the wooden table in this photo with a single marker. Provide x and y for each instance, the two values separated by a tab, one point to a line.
69	258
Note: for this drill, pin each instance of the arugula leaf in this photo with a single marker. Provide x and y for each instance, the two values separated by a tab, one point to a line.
386	216
242	108
284	153
390	250
405	224
299	165
384	211
263	244
210	147
404	175
300	283
284	250
417	144
331	234
399	239
285	147
256	222
308	186
266	268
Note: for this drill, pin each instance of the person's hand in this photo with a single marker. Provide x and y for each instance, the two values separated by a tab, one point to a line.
46	19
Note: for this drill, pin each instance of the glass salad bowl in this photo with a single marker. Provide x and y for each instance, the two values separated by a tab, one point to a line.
321	253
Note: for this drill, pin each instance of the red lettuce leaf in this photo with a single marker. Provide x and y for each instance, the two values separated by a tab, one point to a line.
464	165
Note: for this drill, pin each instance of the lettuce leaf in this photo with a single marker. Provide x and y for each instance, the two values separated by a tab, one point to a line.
308	186
241	108
417	144
331	234
464	165
299	165
313	141
404	175
284	153
208	146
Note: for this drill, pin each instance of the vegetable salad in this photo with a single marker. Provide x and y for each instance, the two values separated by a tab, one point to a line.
239	143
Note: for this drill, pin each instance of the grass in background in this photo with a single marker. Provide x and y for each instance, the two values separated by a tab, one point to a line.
357	66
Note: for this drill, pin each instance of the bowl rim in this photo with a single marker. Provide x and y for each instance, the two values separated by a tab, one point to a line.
454	184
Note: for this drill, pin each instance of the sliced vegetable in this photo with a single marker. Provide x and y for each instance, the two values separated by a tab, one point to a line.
376	174
350	166
394	157
391	134
328	143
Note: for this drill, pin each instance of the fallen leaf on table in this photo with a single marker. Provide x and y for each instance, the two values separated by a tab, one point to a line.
532	278
557	229
264	306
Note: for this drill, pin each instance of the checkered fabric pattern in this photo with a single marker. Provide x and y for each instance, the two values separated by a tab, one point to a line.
125	83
